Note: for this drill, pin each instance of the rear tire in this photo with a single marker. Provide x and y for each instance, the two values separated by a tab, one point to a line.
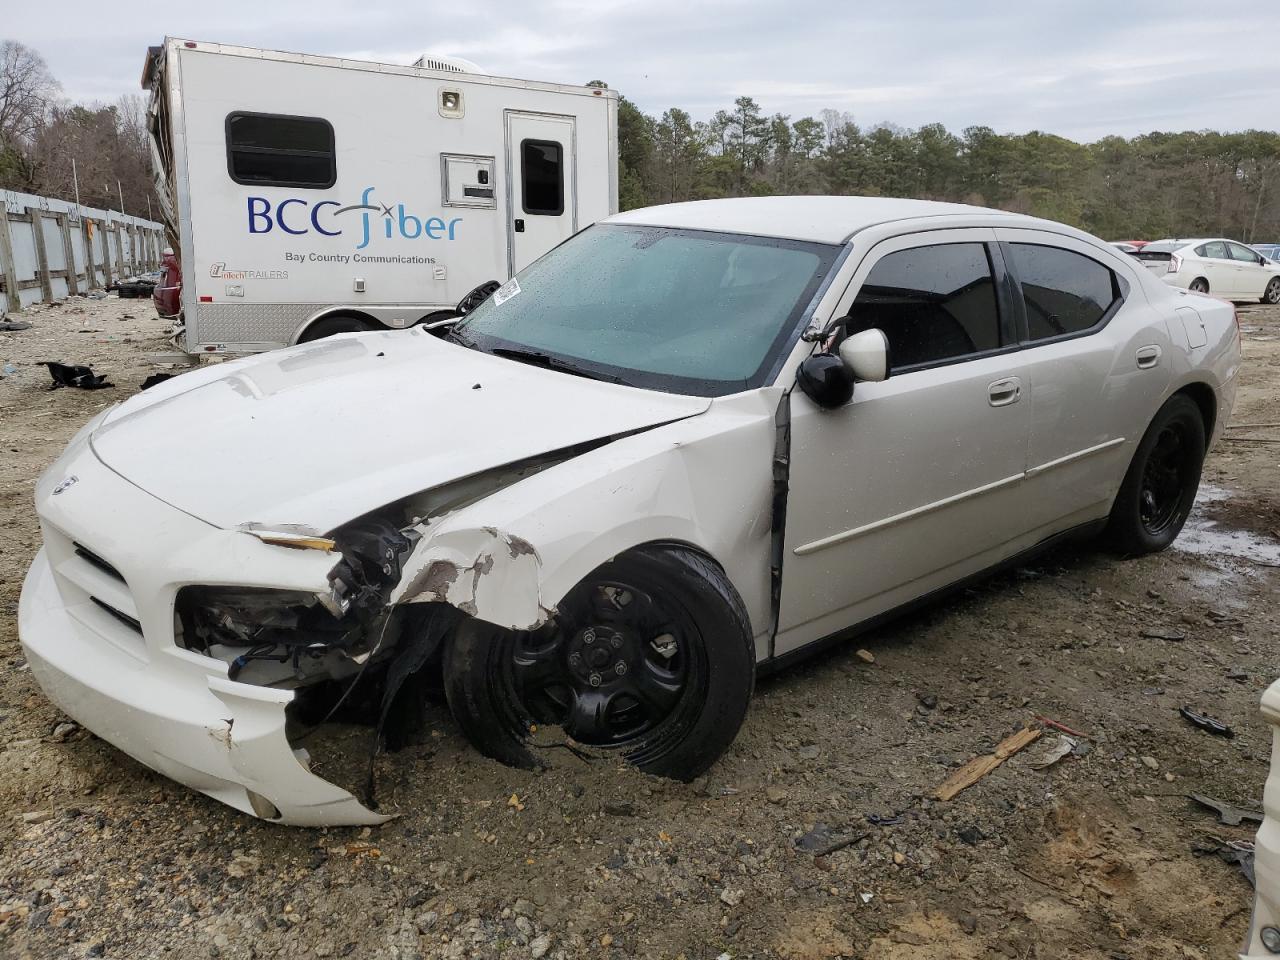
341	323
1161	483
1272	293
1199	285
649	658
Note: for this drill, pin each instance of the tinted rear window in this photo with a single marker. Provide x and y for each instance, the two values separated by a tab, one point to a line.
1065	292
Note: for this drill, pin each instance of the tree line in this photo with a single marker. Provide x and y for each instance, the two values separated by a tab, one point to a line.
1191	183
41	133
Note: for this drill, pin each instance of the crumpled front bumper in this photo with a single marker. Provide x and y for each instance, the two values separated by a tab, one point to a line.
1266	856
131	684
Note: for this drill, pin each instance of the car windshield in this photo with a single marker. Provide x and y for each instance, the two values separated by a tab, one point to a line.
683	311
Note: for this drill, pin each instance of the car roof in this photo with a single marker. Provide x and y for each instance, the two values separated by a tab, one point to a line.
815	218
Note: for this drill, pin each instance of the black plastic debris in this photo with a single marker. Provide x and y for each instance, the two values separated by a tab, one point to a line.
13	326
823	840
155	378
1239	852
1206	723
75	375
1228	814
879	820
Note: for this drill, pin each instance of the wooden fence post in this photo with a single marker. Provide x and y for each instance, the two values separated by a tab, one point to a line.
68	254
86	239
12	294
42	255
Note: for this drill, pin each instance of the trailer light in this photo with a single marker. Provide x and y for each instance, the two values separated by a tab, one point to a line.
451	104
206	299
189	45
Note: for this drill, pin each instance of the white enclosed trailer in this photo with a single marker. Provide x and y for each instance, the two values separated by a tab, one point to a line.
307	195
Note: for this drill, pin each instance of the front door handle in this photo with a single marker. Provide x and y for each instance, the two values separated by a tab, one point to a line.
1001	393
1148	357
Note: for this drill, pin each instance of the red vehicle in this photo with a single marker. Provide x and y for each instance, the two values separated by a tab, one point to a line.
167	295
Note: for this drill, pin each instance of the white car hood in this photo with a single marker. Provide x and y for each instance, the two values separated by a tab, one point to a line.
322	433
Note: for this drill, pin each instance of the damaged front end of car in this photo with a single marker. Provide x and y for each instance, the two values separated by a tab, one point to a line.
400	582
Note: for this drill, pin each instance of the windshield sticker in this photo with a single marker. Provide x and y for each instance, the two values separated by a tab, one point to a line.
506	292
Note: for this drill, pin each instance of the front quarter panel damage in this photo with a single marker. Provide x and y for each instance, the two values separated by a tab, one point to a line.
705	481
479	569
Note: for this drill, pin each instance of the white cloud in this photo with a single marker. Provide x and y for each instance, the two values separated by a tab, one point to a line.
1083	69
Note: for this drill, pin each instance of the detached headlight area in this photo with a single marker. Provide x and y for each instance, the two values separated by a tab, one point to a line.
271	637
290	638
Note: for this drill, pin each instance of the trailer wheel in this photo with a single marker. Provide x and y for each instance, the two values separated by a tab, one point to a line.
338	323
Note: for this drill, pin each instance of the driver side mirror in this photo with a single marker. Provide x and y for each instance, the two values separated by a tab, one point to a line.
828	379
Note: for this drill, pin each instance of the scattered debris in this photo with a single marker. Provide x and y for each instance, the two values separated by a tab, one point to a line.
155	378
1239	852
822	840
13	326
1062	727
8	370
69	375
1164	635
37	816
866	656
927	700
1228	814
979	767
62	731
1206	723
876	820
971	835
1151	763
1063	746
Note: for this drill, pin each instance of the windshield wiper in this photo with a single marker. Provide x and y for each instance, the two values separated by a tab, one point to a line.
539	359
458	337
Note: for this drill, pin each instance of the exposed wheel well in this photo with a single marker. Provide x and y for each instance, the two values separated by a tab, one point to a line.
331	315
1203	280
1204	398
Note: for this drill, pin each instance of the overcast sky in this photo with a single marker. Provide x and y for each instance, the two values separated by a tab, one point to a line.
1079	68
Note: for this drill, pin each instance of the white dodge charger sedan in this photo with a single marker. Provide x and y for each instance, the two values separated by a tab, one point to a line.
1223	268
692	442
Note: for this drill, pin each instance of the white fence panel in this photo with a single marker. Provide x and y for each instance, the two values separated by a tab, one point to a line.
36	232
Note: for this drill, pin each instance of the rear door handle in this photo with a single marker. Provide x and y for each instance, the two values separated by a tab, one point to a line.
1148	357
1001	393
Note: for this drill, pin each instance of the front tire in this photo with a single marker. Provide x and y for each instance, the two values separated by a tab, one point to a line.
649	658
1161	483
1199	285
329	326
1272	294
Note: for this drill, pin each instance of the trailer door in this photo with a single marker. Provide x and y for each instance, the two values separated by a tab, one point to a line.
541	199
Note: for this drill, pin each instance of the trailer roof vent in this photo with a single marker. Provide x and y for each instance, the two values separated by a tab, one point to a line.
446	64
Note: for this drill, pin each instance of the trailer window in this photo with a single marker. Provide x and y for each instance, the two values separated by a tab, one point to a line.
542	177
272	150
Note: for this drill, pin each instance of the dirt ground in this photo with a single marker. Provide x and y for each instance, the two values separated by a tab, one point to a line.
1099	855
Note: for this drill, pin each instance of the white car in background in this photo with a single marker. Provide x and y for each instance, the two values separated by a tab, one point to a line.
690	442
1223	268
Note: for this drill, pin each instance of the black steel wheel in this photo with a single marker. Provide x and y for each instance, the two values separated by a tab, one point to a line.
1160	485
649	657
1199	285
1272	293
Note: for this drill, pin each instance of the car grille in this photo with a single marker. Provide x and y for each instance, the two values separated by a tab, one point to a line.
94	593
